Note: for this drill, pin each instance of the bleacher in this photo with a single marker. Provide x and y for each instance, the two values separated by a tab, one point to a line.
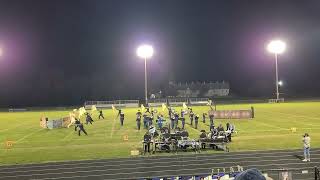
280	100
173	101
109	104
17	110
198	89
198	101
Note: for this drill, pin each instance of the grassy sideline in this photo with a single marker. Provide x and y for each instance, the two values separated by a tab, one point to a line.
270	129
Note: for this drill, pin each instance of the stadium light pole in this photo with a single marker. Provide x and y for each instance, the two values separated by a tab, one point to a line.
145	51
276	47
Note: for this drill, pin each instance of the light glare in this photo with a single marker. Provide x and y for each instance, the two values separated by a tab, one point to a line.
276	46
145	51
280	83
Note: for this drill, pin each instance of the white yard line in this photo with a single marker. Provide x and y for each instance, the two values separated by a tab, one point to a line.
67	136
22	124
28	135
113	127
300	121
272	126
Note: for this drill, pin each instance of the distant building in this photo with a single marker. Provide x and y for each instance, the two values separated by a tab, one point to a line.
198	89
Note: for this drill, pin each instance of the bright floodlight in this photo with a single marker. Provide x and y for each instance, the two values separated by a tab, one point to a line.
280	83
145	51
276	47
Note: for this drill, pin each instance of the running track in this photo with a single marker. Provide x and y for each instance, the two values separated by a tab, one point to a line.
155	166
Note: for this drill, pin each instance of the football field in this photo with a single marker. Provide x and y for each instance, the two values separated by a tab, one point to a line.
270	129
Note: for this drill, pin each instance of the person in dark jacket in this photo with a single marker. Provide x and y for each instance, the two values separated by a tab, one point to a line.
183	121
88	119
138	120
176	119
191	115
204	117
211	117
76	124
146	142
81	128
101	114
121	118
172	121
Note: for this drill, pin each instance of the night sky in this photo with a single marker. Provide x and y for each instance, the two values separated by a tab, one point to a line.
63	52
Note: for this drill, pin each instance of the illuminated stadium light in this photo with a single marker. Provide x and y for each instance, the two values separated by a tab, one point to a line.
145	51
276	47
280	83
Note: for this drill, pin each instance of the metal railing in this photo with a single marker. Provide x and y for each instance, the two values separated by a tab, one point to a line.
157	102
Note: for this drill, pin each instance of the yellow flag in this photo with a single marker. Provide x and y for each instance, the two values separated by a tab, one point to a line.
71	114
142	108
164	107
185	106
93	108
82	110
113	109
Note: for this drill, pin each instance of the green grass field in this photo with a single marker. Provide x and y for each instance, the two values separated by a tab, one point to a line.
270	129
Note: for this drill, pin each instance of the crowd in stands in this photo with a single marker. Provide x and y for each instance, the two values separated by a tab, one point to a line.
249	174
